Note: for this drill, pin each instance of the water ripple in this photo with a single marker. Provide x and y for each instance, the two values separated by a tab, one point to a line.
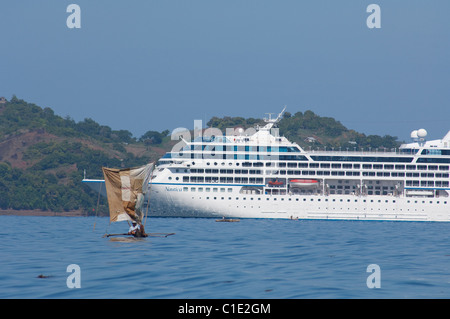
205	259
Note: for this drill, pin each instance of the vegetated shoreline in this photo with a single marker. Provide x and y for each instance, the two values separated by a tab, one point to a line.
38	212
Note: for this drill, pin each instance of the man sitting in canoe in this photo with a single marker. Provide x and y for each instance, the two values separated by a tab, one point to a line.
137	230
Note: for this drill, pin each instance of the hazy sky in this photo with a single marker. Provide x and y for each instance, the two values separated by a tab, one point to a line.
156	65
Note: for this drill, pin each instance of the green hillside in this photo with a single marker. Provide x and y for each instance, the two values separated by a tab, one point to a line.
329	133
310	130
43	157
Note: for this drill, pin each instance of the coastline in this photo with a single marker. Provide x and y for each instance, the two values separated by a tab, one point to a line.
37	212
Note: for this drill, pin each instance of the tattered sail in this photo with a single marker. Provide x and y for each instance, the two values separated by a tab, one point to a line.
126	189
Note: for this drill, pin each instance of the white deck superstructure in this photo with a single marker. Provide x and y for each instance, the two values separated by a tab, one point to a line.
262	175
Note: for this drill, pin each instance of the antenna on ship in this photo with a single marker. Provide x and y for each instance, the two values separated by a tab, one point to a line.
269	118
270	122
281	113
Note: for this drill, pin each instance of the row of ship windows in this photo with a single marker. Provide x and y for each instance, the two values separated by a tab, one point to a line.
240	148
336	165
408	183
213	155
246	180
215	179
304	172
230	190
353	173
258	180
333	191
427	183
246	157
304	199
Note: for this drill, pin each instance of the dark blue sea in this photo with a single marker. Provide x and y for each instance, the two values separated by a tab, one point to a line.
252	258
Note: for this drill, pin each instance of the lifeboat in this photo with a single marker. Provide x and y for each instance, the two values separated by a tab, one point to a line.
276	183
304	183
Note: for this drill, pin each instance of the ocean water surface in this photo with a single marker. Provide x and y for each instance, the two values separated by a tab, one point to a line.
252	258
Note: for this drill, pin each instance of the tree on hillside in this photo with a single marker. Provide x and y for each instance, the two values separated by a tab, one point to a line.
153	137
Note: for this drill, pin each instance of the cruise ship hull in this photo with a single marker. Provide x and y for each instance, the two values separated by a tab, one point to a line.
174	200
170	200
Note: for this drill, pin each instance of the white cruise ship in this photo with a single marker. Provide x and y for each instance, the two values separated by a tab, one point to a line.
263	175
